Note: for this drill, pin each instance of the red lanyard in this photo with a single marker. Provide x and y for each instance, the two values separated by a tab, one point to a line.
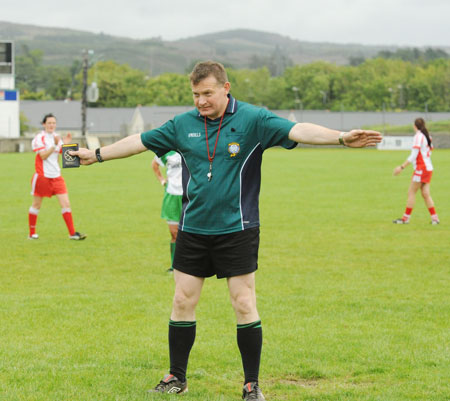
211	158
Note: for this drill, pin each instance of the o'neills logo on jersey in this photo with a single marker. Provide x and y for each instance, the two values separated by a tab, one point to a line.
194	135
233	149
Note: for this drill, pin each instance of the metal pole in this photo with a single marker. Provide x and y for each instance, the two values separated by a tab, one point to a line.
84	94
301	110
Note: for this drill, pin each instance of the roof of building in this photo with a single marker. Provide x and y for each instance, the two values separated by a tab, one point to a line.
120	120
98	120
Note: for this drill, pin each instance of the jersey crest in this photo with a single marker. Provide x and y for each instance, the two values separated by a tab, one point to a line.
233	149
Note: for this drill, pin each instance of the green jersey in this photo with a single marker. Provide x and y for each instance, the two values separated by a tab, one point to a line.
229	201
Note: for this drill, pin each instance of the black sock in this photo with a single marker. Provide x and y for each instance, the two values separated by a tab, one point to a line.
249	339
181	339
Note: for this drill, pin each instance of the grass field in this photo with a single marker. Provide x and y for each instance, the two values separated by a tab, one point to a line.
353	307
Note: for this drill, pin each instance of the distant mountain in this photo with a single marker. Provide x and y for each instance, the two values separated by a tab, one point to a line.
239	48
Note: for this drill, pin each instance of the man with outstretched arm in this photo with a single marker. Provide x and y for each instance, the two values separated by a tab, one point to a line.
221	143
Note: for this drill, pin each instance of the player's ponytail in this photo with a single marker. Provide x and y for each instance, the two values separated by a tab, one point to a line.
420	125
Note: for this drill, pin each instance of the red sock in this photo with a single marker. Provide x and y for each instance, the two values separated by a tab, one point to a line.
67	216
32	218
407	214
433	213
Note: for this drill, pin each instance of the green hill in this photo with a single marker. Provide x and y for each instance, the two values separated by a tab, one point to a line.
237	48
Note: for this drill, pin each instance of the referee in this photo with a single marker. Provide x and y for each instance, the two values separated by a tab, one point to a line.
221	143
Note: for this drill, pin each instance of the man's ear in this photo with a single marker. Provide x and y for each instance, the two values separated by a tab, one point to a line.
227	87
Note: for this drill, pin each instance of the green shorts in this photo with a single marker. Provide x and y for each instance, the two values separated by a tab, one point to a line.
171	207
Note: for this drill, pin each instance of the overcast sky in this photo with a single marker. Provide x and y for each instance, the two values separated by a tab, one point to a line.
393	22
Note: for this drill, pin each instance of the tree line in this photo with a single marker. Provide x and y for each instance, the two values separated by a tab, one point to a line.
382	83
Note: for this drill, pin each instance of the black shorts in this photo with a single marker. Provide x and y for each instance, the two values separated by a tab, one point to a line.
224	255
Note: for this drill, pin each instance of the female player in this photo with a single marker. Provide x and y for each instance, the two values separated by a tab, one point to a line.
420	157
171	207
47	180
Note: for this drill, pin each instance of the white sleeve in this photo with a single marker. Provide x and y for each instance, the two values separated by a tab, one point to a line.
413	155
38	143
159	161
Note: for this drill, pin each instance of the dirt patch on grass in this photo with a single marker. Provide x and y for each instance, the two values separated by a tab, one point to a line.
299	382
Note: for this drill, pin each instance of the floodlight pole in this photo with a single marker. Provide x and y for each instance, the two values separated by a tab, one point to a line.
84	93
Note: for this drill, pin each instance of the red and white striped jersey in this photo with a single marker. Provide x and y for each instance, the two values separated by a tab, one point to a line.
420	155
49	167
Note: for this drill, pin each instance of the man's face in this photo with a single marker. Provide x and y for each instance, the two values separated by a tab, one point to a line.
210	97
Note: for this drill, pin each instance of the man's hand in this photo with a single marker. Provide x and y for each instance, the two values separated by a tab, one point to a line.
86	156
397	170
358	138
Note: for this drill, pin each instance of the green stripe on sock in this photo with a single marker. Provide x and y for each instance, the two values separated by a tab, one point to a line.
182	323
254	325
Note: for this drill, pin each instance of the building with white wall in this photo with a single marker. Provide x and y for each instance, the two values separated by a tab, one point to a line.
9	96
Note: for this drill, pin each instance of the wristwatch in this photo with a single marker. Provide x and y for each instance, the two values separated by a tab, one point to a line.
98	156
